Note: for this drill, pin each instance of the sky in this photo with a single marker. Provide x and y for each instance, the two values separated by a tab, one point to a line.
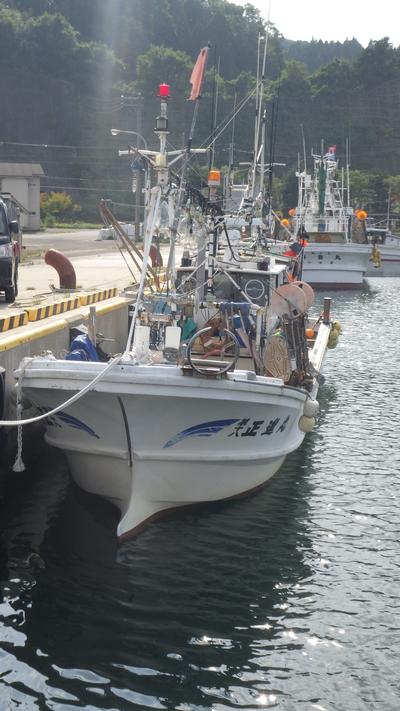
344	19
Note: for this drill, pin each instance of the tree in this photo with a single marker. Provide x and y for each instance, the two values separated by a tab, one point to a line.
11	31
378	63
57	207
293	93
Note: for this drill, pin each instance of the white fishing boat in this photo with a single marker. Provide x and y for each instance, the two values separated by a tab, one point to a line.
152	435
175	420
324	217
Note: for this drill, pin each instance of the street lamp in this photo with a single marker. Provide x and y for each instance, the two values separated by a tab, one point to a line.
118	131
137	187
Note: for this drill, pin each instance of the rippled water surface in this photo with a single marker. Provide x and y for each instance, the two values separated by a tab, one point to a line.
289	599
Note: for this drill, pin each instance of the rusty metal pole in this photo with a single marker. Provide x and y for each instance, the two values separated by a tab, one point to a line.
327	309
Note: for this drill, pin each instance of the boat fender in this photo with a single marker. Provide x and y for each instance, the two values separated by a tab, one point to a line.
306	424
336	325
333	338
311	407
376	257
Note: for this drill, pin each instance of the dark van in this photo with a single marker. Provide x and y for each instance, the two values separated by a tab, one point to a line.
9	255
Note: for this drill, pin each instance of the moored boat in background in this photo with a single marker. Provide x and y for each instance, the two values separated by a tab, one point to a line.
324	219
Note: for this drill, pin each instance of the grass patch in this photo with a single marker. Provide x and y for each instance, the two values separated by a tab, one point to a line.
72	226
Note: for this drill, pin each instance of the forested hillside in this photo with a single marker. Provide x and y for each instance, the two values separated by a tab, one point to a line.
316	53
66	64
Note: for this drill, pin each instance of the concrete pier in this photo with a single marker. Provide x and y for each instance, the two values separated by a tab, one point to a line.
42	317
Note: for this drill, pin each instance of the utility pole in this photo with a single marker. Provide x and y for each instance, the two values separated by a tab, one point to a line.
129	105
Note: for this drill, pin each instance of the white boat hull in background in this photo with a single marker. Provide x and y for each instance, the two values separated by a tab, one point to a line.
150	439
390	261
335	266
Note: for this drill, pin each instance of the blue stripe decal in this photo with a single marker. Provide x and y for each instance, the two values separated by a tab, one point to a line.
205	429
75	423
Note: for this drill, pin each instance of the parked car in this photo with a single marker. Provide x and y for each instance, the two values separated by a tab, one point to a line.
10	252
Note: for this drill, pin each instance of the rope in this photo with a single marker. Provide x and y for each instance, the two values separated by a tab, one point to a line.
19	465
67	403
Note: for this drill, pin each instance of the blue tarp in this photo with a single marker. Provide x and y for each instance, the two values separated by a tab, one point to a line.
82	348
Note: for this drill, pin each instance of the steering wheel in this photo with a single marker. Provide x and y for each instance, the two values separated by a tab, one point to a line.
229	348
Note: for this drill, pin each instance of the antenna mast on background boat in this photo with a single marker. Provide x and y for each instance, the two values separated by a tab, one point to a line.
348	170
388	207
304	148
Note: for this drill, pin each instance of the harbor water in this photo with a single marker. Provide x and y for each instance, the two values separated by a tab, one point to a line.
288	599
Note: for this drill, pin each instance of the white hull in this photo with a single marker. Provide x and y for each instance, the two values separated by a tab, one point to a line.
332	266
339	266
149	438
390	262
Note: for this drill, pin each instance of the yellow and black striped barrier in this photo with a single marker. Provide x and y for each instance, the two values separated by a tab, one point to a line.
14	321
37	313
96	296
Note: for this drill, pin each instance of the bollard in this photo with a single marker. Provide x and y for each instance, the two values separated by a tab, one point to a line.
327	310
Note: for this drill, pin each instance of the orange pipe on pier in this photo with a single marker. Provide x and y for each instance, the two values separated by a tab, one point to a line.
63	267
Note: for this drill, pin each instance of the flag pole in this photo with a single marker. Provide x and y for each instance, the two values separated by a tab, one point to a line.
196	80
198	96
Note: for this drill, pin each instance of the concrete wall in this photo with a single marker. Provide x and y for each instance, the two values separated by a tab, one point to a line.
53	334
27	192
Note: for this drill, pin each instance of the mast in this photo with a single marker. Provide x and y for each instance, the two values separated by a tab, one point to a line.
348	171
258	117
262	162
304	148
388	208
214	113
231	153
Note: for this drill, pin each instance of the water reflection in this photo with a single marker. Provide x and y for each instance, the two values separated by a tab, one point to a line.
195	594
286	599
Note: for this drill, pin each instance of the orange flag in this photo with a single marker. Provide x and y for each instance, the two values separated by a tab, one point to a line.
197	75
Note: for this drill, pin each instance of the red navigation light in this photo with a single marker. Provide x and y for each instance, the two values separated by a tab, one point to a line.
163	91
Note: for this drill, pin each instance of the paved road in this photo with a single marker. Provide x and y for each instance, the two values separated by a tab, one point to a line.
72	242
97	264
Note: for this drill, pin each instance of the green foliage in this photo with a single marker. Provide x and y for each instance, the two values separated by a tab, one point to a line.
160	63
57	207
289	192
378	63
316	53
49	45
70	60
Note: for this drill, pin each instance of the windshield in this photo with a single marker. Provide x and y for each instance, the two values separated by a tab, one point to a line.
3	222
